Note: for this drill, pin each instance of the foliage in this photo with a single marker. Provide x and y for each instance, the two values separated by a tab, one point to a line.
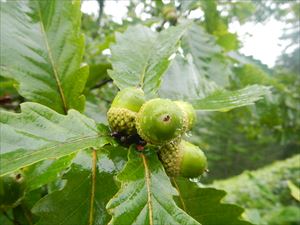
251	137
196	198
42	50
54	109
90	185
258	191
145	196
149	57
38	133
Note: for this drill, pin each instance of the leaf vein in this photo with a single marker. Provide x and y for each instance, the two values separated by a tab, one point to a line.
148	184
55	72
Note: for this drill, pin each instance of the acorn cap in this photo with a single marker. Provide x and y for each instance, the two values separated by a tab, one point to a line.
122	113
181	158
122	120
189	113
160	121
170	156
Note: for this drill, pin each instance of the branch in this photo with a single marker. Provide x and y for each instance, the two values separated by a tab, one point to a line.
102	83
101	7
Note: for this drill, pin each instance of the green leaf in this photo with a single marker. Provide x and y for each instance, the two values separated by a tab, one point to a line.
242	60
4	219
183	81
42	48
200	44
283	215
260	190
39	133
45	172
141	56
98	73
7	87
96	108
251	74
207	54
189	5
204	204
145	196
228	41
89	187
223	100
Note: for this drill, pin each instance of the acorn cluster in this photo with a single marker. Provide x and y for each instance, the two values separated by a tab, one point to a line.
159	122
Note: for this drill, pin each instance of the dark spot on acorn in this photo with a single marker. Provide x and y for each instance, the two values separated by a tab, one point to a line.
167	118
18	176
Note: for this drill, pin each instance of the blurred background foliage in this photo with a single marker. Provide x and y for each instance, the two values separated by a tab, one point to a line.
270	194
246	138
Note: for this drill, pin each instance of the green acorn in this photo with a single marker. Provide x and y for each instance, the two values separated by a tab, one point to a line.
189	114
181	158
12	190
169	14
122	114
160	121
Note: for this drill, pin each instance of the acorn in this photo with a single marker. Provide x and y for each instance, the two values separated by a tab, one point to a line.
181	158
169	14
12	190
189	114
123	111
160	121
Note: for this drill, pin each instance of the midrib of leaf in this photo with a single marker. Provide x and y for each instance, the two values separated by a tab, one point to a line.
53	147
146	66
179	194
60	144
92	200
148	183
55	73
153	49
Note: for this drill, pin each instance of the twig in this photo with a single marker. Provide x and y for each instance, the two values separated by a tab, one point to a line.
103	82
101	6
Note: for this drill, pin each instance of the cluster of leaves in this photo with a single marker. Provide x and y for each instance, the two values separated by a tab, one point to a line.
71	160
247	137
251	137
258	191
76	173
